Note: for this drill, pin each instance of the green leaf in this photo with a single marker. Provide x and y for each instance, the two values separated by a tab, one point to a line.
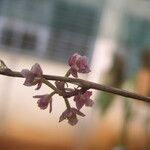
127	109
104	101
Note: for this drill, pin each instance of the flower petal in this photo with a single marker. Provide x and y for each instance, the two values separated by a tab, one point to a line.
79	104
80	113
89	103
78	64
71	115
60	85
87	94
36	69
25	72
82	64
72	60
29	80
43	100
74	73
63	116
73	120
39	85
43	104
79	101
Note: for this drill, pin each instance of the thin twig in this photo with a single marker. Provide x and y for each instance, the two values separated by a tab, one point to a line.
83	84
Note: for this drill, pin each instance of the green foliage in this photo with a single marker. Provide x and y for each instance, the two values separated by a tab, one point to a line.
104	101
127	110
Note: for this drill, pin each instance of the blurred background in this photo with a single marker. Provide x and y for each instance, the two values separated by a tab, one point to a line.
114	34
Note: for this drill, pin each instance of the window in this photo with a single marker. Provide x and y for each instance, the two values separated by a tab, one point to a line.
136	36
53	29
7	37
28	41
27	10
137	31
14	39
72	30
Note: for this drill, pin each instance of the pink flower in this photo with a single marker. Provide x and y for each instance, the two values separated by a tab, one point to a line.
71	116
83	99
78	64
60	85
43	101
33	76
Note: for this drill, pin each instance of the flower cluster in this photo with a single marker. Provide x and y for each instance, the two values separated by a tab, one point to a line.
78	64
43	101
83	99
71	115
33	76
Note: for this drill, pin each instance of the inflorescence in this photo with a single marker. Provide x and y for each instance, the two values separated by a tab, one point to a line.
81	96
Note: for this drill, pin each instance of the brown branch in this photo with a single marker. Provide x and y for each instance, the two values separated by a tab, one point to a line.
83	84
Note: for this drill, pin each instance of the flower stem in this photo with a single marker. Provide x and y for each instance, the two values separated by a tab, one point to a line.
53	93
51	86
83	83
68	73
67	103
